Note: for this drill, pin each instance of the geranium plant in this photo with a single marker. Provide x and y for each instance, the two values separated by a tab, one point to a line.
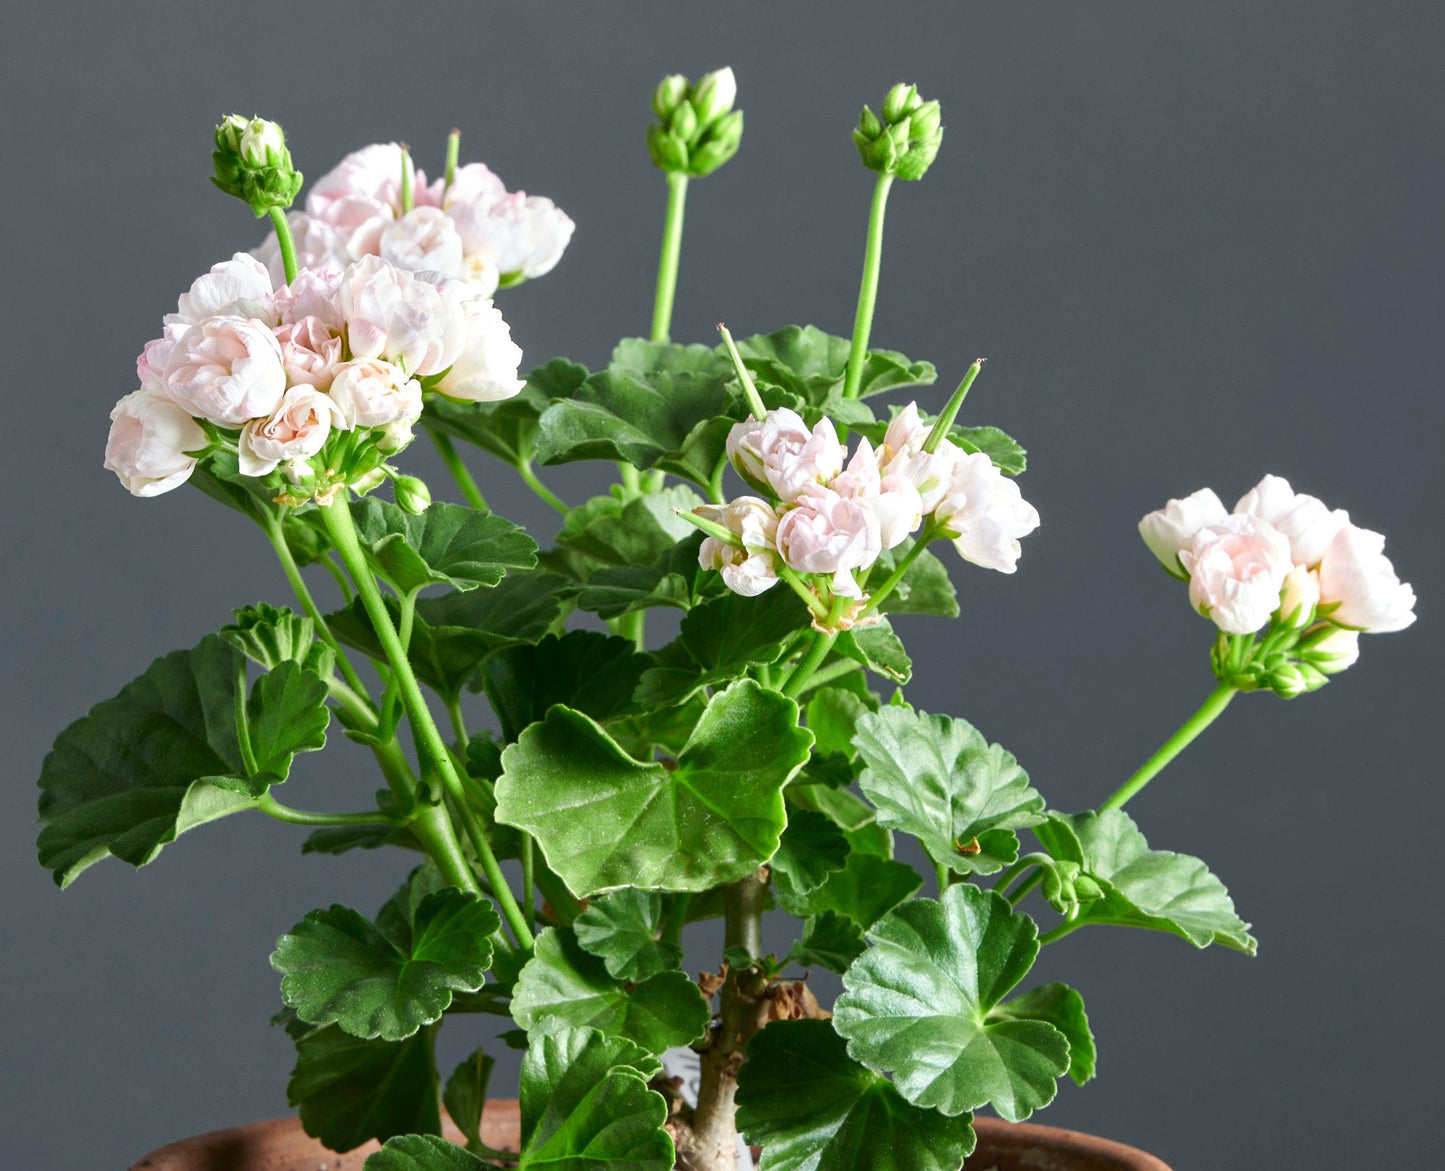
787	494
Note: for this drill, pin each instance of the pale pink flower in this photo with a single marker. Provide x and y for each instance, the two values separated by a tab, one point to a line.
522	236
985	513
1358	580
317	245
372	175
239	287
371	393
779	451
310	352
893	498
423	240
150	437
1236	571
150	365
902	455
1305	520
312	294
1299	596
752	569
474	184
829	533
397	315
1168	530
298	429
227	370
485	369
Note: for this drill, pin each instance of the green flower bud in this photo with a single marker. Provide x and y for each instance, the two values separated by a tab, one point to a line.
669	92
719	144
714	95
412	495
1314	678
1288	681
370	482
668	154
252	163
684	122
905	141
1087	890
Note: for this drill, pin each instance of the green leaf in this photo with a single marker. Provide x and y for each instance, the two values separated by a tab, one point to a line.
833	714
673	419
940	780
916	1004
864	890
587	671
1158	890
621	929
350	1090
813	365
673	579
422	1152
605	820
830	940
562	983
811	1108
1002	449
466	1094
1062	1007
586	1106
811	848
879	649
646	357
272	635
632	532
448	544
719	640
337	966
506	428
925	587
163	756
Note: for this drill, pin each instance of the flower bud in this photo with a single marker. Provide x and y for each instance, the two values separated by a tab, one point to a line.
714	94
1330	649
868	124
252	163
669	92
394	437
668	154
412	495
902	99
369	482
905	141
684	122
1298	598
1287	681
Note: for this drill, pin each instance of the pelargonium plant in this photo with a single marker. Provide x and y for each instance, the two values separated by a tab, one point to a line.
787	500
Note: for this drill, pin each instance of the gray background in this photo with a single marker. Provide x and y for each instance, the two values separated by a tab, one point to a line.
1197	242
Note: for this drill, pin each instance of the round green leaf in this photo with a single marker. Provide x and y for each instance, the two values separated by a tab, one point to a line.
811	1108
447	544
337	966
563	984
605	820
1062	1007
621	929
422	1152
917	1005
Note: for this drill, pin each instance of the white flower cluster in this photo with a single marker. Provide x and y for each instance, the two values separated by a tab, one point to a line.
1281	556
275	372
473	229
831	515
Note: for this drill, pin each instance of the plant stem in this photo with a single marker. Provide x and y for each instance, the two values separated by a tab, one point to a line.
337	516
822	644
868	288
459	471
529	477
273	808
1034	859
825	675
563	903
459	723
529	871
338	575
890	582
944	876
1060	931
1208	712
950	411
277	536
676	919
1017	895
288	245
454	148
667	262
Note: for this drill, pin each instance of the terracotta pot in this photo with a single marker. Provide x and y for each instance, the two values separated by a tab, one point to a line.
281	1145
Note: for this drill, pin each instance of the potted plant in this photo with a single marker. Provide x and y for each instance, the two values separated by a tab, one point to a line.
786	493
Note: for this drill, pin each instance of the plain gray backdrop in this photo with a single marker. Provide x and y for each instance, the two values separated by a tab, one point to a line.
1197	243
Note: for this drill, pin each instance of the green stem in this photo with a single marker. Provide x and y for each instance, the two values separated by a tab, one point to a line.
743	903
944	876
338	575
243	723
950	411
671	252
810	662
868	288
634	626
529	477
1208	712
676	919
276	533
562	901
337	517
273	808
715	483
1034	859
795	583
1017	895
529	875
890	583
288	245
406	194
459	471
454	148
459	723
755	401
1060	931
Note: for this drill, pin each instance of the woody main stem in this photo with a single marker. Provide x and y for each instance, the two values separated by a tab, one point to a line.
337	517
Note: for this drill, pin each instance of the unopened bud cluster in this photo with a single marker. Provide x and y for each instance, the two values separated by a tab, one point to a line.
905	140
252	163
697	130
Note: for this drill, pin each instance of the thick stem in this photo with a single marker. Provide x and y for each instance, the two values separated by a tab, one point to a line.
460	473
288	245
529	477
668	261
1208	712
273	808
890	583
868	288
822	644
337	516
